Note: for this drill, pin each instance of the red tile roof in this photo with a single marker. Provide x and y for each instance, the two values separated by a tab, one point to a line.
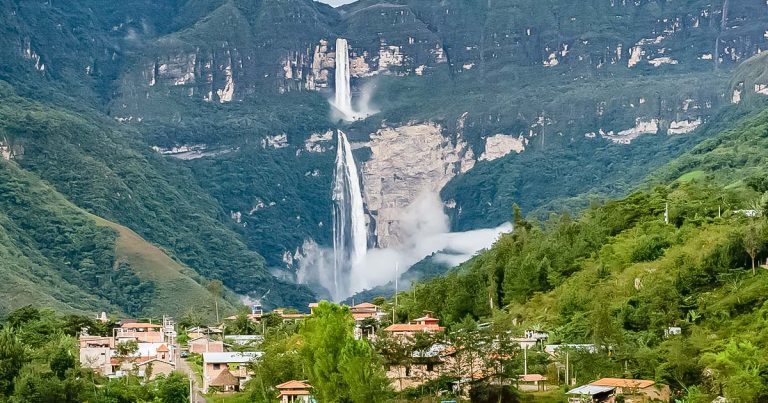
163	349
533	378
365	305
293	385
623	383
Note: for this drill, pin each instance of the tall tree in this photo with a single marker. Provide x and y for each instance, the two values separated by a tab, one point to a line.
753	239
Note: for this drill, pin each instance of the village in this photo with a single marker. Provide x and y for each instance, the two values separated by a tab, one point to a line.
219	362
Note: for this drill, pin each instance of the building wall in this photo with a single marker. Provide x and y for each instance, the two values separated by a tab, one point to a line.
204	346
158	367
96	358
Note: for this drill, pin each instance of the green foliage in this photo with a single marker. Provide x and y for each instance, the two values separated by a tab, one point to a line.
38	363
340	368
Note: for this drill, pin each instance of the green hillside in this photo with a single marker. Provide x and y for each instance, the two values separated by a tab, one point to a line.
105	169
56	255
619	277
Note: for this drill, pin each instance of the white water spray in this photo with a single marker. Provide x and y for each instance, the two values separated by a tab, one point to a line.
350	235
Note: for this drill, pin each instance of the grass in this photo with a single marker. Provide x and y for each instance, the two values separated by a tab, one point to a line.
176	290
691	176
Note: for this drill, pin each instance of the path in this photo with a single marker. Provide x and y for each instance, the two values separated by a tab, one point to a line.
183	366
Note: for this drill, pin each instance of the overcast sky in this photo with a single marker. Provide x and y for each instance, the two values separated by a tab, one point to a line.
336	2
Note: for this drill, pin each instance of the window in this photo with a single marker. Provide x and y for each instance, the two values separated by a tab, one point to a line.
217	366
430	367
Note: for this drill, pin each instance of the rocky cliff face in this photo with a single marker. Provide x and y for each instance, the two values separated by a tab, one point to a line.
462	86
405	162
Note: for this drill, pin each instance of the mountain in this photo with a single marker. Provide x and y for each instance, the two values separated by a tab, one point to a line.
204	125
681	255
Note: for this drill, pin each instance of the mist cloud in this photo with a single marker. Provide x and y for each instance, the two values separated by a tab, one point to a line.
424	230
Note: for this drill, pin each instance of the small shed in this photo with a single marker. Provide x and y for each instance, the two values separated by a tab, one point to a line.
226	382
590	393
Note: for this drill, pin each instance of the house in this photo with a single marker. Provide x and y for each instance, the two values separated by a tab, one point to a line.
312	307
525	343
591	394
96	353
243	339
295	392
362	313
141	332
204	344
636	390
427	323
225	381
153	367
536	334
532	382
673	331
366	311
236	363
552	349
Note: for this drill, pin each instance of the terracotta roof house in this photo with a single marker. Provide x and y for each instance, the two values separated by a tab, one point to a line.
234	362
295	392
531	382
427	323
646	390
141	332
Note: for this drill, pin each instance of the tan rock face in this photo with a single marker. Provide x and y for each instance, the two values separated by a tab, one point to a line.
405	162
501	144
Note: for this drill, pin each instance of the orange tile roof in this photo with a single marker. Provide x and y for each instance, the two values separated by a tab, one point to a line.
533	378
624	383
363	315
140	326
293	385
406	327
163	349
365	305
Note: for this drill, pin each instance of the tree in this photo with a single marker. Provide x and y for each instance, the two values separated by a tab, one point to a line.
215	287
173	389
363	373
737	368
13	355
339	368
325	335
753	242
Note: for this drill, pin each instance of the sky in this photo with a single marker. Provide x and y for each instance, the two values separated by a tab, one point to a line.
336	2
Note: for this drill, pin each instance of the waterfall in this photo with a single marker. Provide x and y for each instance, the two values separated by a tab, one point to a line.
350	235
343	101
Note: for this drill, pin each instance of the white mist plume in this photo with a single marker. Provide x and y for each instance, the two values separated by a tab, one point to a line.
424	230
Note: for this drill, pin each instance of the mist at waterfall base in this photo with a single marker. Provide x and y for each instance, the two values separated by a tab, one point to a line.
342	104
424	230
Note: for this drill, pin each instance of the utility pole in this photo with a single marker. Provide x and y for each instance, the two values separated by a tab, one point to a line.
567	374
666	213
525	361
394	308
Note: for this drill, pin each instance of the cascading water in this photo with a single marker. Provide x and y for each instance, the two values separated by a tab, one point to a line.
343	101
350	235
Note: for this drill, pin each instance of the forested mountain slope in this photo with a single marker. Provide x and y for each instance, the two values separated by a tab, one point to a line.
202	125
619	277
